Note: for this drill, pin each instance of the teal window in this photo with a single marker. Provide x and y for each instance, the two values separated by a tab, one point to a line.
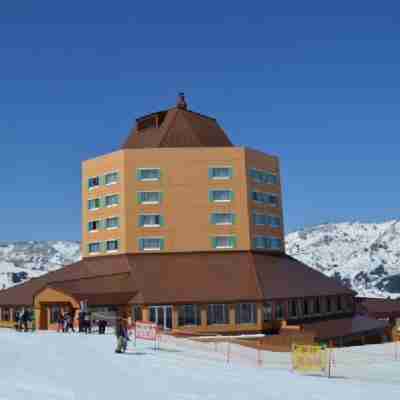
111	200
224	242
150	220
112	223
94	247
265	198
219	196
149	197
149	243
275	222
246	313
264	219
223	218
93	226
148	174
260	176
111	178
260	219
265	242
93	182
220	173
93	204
112	245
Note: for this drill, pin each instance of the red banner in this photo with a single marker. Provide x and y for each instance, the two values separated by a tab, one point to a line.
146	330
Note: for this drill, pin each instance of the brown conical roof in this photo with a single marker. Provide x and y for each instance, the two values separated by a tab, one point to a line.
176	127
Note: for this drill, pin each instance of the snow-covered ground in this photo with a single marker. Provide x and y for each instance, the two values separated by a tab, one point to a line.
51	366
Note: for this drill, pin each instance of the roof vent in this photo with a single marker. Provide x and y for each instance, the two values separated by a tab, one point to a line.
181	103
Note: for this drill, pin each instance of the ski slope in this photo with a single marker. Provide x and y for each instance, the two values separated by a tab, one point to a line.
51	366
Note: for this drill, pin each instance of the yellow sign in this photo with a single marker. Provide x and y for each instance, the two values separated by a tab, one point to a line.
306	358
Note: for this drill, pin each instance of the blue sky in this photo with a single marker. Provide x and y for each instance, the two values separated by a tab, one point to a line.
317	84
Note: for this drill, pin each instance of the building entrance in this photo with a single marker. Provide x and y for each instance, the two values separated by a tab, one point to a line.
162	316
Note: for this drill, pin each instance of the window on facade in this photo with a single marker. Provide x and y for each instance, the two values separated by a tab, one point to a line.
275	222
264	219
265	242
6	314
265	198
267	311
111	200
339	303
260	176
246	313
148	174
317	306
112	223
137	313
293	308
150	220
93	182
54	314
224	242
111	178
222	218
112	245
93	226
146	244
189	314
220	172
279	311
149	197
94	247
306	309
93	204
221	195
217	314
328	305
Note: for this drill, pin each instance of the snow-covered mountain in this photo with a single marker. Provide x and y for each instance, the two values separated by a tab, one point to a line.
20	261
366	257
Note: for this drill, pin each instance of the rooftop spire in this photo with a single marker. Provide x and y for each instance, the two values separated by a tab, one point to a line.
181	103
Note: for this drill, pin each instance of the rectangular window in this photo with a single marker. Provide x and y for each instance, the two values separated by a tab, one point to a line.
221	196
93	182
328	305
260	219
274	222
217	314
149	197
137	314
148	174
317	306
94	248
55	312
150	220
267	311
220	173
339	303
112	245
222	218
306	309
189	314
265	242
111	178
279	311
6	314
146	244
265	198
93	226
293	308
111	200
260	176
246	313
93	204
224	242
112	223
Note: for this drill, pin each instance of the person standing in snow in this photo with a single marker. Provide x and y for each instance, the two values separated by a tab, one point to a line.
121	331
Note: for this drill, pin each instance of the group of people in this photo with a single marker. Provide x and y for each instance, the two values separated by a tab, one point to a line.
65	322
22	320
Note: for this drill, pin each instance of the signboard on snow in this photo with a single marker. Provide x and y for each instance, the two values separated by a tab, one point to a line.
146	331
309	359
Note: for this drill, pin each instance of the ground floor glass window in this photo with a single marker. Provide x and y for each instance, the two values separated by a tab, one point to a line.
217	314
246	313
189	314
267	311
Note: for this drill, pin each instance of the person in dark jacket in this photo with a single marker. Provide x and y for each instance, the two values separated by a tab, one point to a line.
25	320
121	331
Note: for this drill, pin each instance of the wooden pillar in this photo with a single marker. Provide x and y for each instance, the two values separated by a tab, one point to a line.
260	316
203	316
174	317
145	313
232	315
